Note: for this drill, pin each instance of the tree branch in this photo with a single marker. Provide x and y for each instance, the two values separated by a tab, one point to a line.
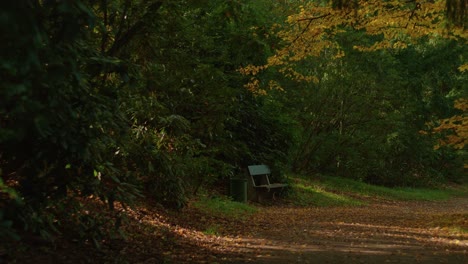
309	19
313	18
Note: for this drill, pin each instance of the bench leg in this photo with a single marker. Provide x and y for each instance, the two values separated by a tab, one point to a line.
261	195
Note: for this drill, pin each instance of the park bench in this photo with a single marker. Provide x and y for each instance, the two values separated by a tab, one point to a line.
260	178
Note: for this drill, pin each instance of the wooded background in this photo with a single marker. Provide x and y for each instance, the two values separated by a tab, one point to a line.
124	99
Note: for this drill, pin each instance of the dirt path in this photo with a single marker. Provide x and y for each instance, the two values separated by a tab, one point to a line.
408	232
384	232
381	233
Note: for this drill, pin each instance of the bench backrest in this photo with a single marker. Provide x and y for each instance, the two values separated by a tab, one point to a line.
259	174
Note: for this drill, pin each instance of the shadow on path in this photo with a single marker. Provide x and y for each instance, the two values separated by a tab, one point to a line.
400	233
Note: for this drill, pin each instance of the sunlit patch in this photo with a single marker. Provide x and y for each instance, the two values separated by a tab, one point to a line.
316	195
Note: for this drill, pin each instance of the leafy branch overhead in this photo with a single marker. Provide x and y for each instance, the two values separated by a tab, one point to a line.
316	28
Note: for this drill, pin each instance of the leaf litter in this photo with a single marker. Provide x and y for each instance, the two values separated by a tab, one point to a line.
379	232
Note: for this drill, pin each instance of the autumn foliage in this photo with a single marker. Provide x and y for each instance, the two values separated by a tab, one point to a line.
312	31
456	127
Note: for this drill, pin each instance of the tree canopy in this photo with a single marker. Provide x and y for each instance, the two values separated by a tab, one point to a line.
315	30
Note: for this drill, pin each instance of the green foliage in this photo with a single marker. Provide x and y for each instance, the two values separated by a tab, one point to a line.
6	229
8	196
116	99
364	118
60	128
268	134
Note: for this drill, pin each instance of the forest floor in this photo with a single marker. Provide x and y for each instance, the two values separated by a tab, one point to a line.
383	231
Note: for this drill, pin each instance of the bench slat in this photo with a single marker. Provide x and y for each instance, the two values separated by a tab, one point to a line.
259	170
277	185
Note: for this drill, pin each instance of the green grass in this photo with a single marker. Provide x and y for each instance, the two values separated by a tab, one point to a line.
364	189
225	207
212	230
334	191
306	193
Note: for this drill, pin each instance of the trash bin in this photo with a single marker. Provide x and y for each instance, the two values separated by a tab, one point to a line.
238	189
